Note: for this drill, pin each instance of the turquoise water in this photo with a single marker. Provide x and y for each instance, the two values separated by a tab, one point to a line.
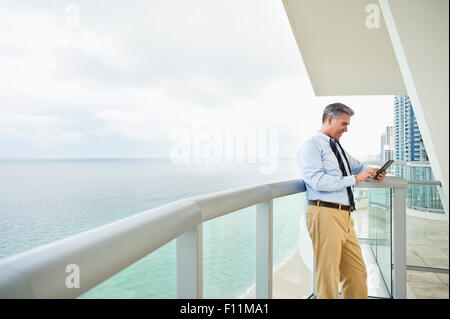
43	201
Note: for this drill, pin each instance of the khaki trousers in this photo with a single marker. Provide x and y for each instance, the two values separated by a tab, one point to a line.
337	254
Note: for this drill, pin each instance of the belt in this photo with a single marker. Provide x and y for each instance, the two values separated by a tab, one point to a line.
331	205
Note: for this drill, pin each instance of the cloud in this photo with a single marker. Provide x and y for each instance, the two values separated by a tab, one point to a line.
203	51
41	130
202	40
118	83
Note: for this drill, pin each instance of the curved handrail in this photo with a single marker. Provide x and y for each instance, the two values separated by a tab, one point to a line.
106	250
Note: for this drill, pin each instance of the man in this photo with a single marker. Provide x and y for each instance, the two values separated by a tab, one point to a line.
330	174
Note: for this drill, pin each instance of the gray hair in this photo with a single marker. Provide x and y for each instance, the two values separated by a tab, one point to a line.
335	110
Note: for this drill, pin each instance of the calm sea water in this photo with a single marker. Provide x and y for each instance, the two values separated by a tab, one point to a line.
45	200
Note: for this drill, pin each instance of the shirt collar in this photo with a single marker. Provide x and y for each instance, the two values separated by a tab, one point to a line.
323	136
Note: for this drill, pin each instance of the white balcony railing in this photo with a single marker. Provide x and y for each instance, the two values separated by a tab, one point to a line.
104	251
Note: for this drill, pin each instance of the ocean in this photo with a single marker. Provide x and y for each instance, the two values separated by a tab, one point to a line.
45	200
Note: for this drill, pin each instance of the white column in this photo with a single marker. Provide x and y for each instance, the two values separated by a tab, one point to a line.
264	249
190	264
399	243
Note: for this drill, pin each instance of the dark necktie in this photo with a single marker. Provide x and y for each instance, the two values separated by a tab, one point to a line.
343	170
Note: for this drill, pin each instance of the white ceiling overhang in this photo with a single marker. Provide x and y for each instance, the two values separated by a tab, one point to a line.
342	55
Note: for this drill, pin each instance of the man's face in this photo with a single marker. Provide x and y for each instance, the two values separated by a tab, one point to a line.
338	125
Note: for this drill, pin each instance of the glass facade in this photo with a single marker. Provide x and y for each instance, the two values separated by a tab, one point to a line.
424	198
229	259
152	277
292	250
373	228
380	232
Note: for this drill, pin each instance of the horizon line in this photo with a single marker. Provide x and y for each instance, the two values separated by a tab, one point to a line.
103	158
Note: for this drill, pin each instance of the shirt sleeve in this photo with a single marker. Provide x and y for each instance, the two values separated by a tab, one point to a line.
313	173
356	166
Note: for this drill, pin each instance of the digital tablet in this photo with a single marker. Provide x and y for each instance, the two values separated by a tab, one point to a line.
384	167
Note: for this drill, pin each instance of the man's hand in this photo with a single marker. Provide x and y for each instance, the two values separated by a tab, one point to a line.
380	177
366	174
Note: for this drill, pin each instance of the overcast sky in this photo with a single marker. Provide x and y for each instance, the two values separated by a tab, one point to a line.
88	79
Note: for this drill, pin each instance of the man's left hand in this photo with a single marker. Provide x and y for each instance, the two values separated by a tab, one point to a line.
380	177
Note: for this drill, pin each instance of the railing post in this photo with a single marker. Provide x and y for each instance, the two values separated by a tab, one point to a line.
264	249
190	264
399	243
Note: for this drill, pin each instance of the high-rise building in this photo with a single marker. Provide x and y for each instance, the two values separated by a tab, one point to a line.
409	147
387	144
382	144
390	136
